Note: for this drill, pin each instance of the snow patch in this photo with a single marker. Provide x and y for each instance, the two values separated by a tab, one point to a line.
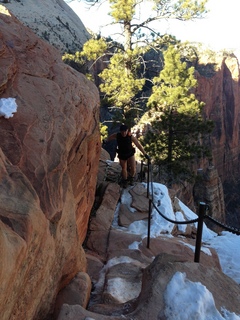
8	107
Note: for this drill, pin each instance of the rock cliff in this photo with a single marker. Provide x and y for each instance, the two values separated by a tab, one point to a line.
49	152
53	21
221	93
219	88
218	79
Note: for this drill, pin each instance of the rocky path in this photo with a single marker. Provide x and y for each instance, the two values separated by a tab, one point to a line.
128	280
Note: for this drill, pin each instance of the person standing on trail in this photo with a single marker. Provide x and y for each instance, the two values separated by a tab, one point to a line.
126	151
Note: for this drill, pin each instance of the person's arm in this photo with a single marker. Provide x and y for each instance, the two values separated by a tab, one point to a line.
138	145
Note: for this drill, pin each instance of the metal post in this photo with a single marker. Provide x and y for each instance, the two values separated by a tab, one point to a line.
141	172
201	214
149	223
148	178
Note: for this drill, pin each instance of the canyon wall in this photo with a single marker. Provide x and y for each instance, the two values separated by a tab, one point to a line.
49	151
221	94
220	90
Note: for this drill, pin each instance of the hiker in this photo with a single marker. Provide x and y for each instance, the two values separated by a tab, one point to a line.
126	152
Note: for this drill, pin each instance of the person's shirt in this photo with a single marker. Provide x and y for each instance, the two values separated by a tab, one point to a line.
124	143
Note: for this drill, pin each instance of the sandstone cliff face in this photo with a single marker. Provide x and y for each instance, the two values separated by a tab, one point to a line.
53	21
49	154
221	93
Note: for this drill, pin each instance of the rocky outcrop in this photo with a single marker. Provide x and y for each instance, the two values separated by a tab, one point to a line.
53	21
49	152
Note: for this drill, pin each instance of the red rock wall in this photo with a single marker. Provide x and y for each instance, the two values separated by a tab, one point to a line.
221	93
49	153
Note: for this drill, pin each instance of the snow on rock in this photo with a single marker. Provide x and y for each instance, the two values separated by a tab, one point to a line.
8	107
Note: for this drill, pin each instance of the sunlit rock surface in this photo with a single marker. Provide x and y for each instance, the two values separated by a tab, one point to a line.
49	154
52	20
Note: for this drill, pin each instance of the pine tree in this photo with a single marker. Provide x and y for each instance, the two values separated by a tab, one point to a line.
125	76
178	130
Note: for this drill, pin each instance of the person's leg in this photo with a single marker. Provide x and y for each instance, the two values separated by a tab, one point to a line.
132	165
123	164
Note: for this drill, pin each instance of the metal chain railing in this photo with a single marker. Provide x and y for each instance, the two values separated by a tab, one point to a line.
174	221
203	207
224	226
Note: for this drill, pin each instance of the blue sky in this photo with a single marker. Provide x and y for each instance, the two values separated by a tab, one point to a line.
218	30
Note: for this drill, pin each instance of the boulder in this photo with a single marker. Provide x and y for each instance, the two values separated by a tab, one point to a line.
156	277
139	198
77	292
126	217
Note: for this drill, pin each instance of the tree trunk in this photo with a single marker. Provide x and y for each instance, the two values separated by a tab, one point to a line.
128	36
170	146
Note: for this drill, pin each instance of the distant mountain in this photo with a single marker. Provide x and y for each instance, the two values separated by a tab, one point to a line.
52	20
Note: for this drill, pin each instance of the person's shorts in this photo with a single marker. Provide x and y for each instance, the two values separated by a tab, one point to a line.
126	156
